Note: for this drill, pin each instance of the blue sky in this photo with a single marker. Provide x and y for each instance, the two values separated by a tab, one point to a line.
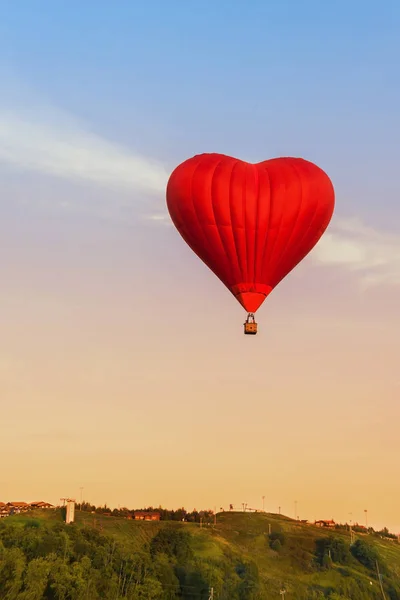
99	102
170	79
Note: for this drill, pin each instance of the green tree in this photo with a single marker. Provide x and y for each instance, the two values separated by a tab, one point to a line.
277	535
12	567
164	569
335	547
36	579
366	555
172	541
327	562
276	545
249	588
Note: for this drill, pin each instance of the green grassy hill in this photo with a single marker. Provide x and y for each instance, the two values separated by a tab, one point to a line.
259	553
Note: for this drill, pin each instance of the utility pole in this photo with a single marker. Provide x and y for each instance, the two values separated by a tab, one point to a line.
351	530
279	509
366	517
380	580
263	498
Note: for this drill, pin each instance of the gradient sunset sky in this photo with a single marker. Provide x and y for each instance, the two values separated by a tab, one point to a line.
123	365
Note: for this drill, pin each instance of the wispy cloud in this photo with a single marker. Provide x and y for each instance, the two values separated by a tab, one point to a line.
162	218
34	136
374	255
37	137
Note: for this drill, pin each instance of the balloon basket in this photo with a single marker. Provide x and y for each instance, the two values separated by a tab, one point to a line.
250	325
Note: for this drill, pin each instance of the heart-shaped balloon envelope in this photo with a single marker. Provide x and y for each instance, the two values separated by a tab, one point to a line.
250	223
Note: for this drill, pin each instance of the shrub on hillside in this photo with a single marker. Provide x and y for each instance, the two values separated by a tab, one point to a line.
249	588
276	545
277	536
172	541
367	556
333	547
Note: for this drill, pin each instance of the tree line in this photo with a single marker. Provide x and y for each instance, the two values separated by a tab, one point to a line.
180	514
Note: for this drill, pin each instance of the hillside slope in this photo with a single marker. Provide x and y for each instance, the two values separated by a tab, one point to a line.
245	556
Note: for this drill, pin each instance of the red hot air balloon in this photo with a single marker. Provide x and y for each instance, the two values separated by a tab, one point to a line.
251	224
